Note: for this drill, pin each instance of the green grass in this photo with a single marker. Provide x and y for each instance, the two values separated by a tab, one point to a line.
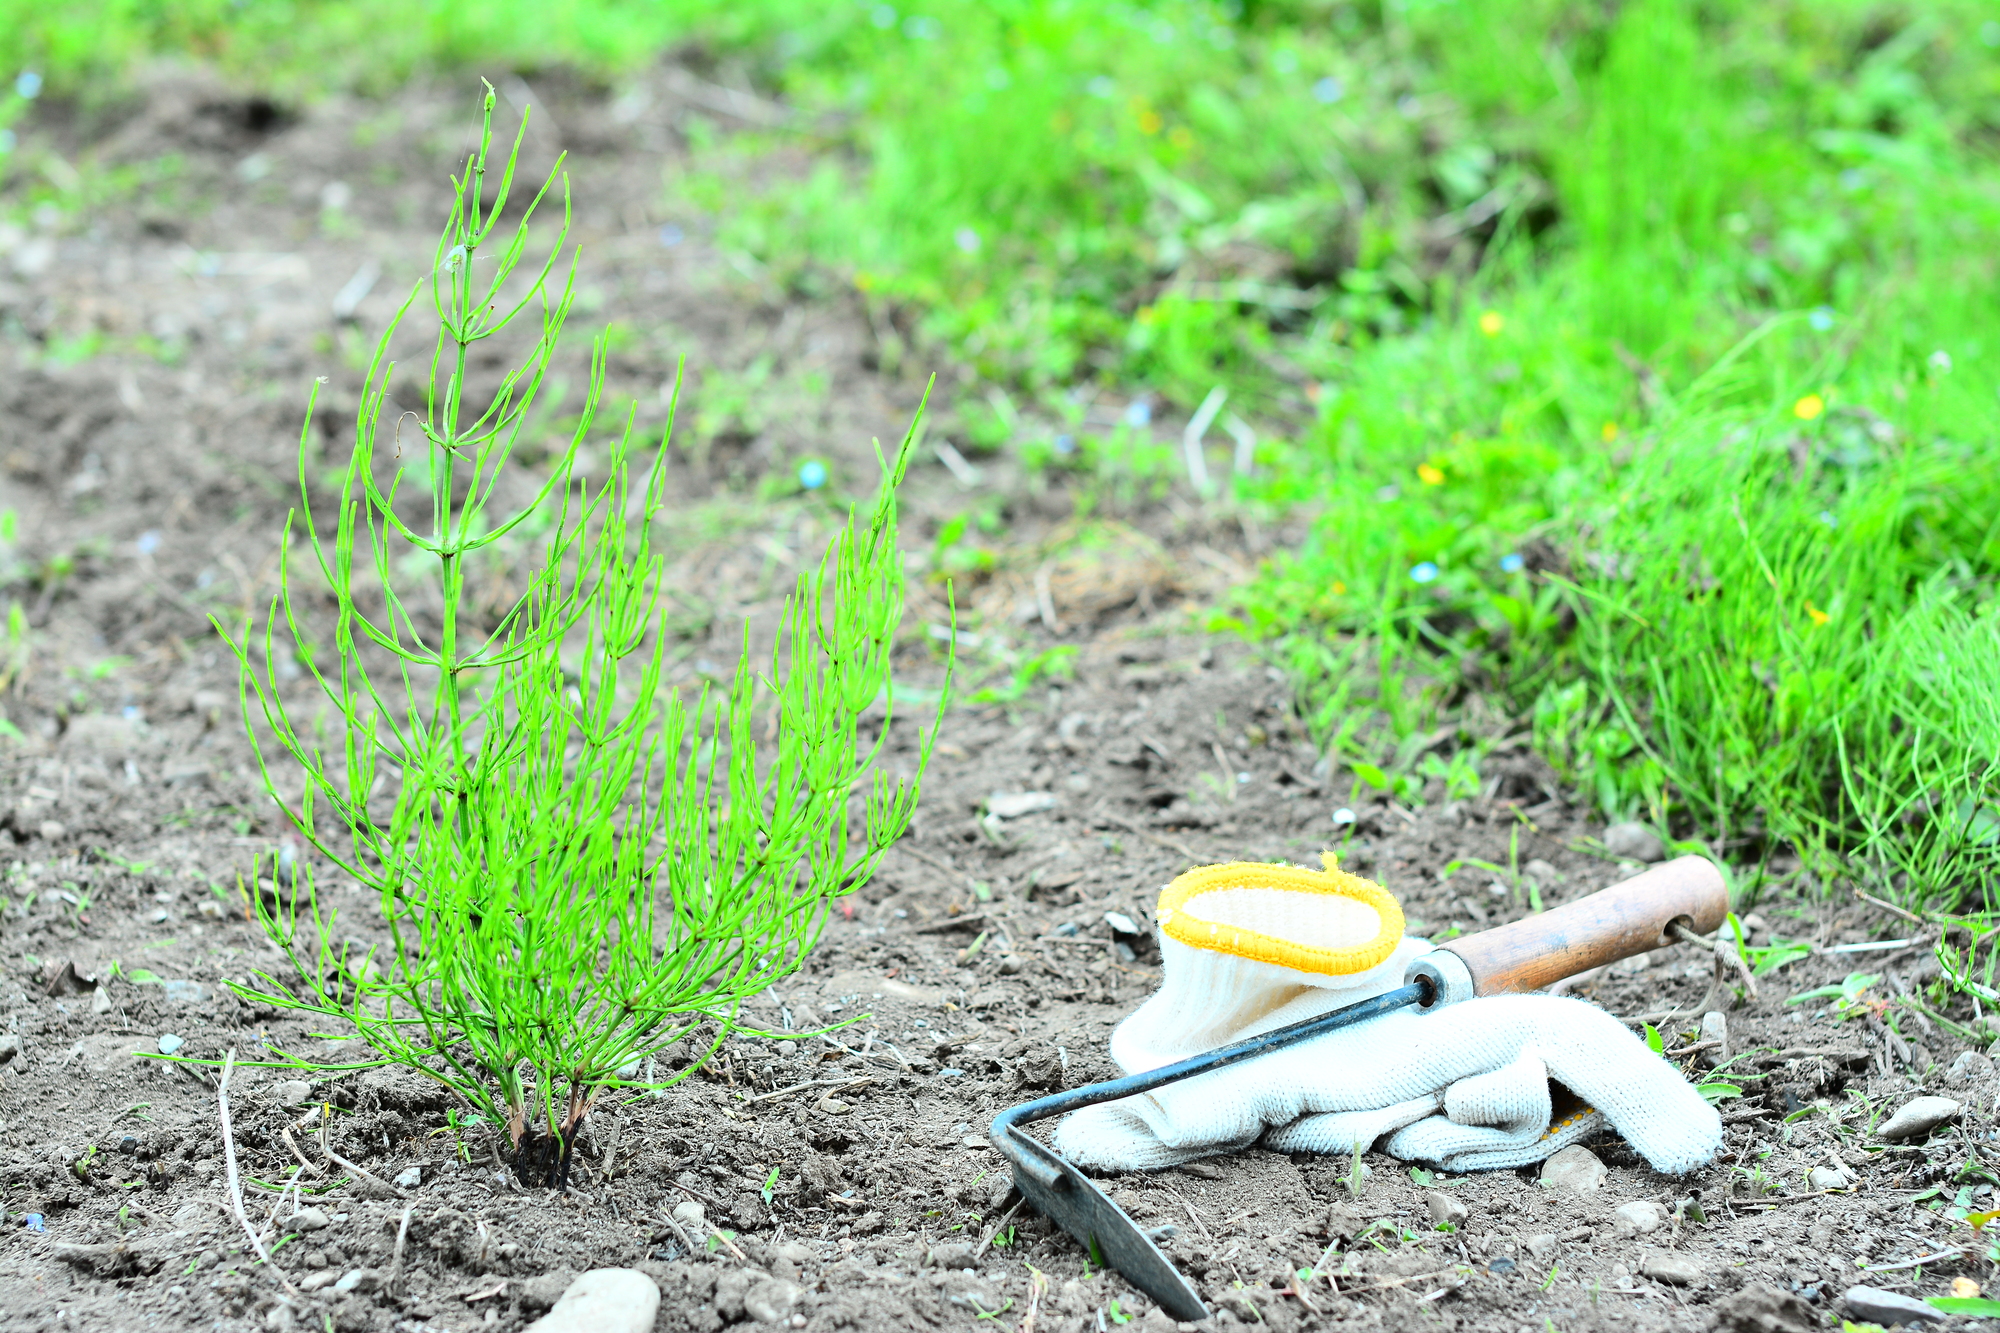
1661	332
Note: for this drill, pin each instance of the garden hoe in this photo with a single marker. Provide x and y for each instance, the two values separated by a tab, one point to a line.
1630	918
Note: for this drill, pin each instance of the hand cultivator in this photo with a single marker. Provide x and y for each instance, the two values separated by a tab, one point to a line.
1627	919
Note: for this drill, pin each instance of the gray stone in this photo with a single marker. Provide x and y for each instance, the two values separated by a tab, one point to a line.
1541	1246
186	992
358	1279
1633	842
1636	1218
1826	1178
1715	1028
769	1301
1014	804
1872	1305
1916	1118
952	1254
604	1300
1575	1169
1677	1269
1445	1210
1970	1067
310	1219
409	1178
169	1043
1542	873
296	1092
100	1001
10	1046
691	1214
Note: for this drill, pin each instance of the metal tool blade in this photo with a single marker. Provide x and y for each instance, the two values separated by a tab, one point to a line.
1073	1201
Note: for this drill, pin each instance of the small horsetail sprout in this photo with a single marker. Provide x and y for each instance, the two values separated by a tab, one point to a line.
576	867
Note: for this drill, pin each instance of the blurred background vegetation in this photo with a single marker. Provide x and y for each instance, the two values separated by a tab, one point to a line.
1635	363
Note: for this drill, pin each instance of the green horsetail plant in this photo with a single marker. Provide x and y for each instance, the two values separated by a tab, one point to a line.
576	867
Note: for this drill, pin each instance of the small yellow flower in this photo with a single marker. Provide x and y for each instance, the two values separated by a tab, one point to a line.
1491	323
1431	474
1150	122
1339	588
1610	431
1819	617
863	280
1809	407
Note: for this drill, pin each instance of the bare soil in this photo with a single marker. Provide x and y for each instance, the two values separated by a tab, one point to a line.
159	346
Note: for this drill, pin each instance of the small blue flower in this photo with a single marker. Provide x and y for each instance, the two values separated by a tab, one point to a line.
812	474
966	239
1511	563
1139	412
34	1222
1329	90
1821	318
28	85
671	235
1424	572
1826	517
1065	444
149	541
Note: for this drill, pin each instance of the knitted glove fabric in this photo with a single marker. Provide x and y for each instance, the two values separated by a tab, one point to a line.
1495	1082
1248	947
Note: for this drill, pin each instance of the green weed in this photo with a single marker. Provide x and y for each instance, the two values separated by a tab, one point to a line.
543	791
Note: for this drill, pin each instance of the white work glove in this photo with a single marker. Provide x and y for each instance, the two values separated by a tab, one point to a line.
1247	948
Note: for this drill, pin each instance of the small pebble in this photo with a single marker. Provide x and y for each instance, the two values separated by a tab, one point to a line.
1636	1218
310	1219
1671	1268
10	1046
1541	1246
1872	1305
1970	1067
100	1003
409	1178
1445	1209
169	1043
1575	1169
770	1301
1632	841
1826	1178
358	1279
609	1300
1916	1118
296	1092
691	1214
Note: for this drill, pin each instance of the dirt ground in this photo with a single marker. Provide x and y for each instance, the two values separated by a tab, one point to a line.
158	346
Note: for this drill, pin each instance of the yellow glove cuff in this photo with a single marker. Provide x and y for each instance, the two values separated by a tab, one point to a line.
1329	922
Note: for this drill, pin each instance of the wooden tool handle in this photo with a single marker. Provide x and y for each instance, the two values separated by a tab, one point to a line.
1610	924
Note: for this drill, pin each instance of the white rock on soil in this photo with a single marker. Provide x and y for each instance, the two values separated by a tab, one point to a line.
1541	1246
1637	1218
1917	1118
951	1254
769	1301
296	1092
100	1003
604	1300
409	1177
691	1214
1715	1028
1872	1305
1575	1169
1970	1067
309	1219
1633	842
1826	1178
1445	1209
1673	1268
10	1046
1014	804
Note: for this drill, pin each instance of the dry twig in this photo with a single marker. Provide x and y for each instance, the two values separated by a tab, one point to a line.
235	1183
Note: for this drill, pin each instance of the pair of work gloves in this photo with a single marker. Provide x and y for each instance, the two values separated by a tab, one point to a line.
1492	1082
